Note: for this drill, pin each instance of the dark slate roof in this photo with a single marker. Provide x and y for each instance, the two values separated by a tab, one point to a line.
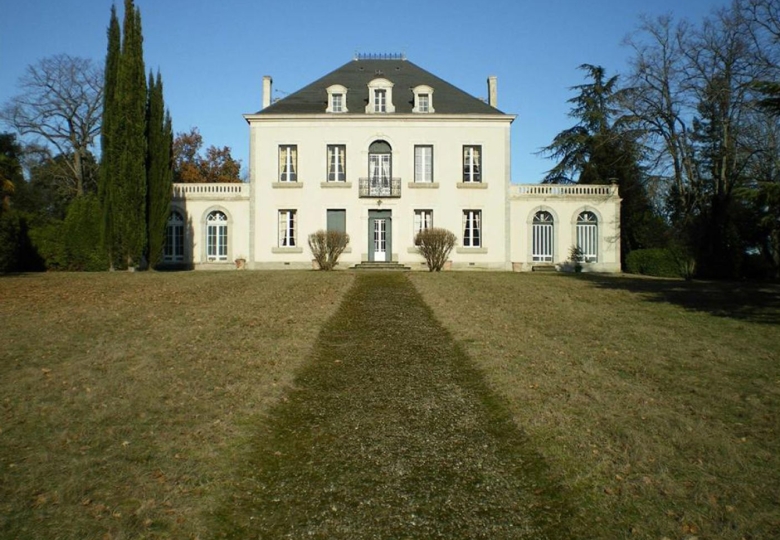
355	76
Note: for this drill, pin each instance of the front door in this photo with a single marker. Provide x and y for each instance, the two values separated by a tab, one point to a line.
380	235
380	239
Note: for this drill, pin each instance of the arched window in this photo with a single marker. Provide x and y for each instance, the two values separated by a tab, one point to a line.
542	242
587	236
380	162
174	238
216	237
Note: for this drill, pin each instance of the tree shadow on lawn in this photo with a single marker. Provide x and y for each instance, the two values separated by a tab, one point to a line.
748	301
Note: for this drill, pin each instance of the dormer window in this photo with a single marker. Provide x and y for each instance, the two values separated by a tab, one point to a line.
337	99
423	99
380	96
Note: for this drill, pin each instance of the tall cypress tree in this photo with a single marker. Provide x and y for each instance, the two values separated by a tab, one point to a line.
129	204
109	160
159	169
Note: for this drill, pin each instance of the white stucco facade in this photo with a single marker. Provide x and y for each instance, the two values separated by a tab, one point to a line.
381	175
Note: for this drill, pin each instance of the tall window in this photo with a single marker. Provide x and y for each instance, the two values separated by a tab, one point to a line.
379	168
287	228
337	159
423	164
216	237
174	238
423	103
423	219
587	236
472	228
472	163
338	103
542	241
288	163
380	100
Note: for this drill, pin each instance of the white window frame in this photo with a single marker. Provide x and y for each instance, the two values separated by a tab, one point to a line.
543	237
217	236
337	91
288	163
588	236
423	99
423	164
173	250
376	104
337	163
472	163
472	228
288	229
423	219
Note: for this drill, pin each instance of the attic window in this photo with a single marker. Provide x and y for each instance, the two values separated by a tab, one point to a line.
337	99
380	96
423	99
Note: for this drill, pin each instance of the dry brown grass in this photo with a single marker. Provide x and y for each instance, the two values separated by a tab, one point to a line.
655	401
125	397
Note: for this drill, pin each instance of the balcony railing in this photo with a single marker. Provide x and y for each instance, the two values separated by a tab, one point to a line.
215	191
565	190
377	187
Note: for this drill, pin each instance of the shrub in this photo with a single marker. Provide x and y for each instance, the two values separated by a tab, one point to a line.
81	238
48	241
576	256
17	252
654	262
435	245
327	247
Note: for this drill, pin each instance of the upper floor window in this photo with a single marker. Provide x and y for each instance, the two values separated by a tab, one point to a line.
380	96
380	100
337	160
423	164
472	164
423	99
337	99
288	163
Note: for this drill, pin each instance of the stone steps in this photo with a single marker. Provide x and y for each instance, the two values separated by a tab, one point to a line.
391	266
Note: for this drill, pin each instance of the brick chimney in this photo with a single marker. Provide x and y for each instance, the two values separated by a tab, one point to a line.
492	82
267	82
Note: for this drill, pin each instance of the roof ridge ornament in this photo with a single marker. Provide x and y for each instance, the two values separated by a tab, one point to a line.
379	56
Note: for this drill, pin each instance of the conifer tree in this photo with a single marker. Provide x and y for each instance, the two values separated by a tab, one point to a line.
159	168
128	199
109	165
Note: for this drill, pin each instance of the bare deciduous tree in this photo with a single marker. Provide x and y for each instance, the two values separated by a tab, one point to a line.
61	102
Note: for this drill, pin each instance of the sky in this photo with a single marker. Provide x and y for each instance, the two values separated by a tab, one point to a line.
212	54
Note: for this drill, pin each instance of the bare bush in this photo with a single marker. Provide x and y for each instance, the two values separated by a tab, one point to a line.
435	245
327	247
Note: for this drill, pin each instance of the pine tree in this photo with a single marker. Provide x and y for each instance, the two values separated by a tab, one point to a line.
129	203
109	165
159	168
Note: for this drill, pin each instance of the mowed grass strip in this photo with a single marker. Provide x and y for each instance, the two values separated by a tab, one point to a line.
124	397
656	401
390	432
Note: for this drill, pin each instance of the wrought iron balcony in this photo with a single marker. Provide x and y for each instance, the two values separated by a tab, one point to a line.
380	187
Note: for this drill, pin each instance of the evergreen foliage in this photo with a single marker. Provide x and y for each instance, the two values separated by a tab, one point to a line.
129	189
159	169
81	235
109	164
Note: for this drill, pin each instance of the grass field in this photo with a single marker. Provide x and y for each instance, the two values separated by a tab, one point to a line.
129	401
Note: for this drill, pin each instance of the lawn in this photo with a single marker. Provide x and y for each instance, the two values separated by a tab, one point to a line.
657	402
134	404
126	396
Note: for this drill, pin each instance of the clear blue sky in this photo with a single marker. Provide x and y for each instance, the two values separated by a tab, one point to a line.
213	54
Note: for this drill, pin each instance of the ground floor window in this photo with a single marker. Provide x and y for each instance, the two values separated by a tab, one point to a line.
472	228
587	236
542	241
287	228
174	238
216	237
423	219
